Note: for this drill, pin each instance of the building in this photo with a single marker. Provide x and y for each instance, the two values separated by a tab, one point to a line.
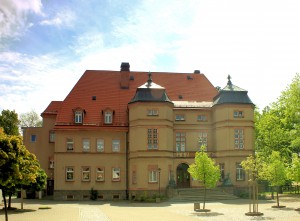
125	133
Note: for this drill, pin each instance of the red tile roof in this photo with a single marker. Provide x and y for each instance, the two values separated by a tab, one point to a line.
53	107
105	85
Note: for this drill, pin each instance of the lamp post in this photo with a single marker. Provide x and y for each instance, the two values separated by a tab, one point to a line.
159	181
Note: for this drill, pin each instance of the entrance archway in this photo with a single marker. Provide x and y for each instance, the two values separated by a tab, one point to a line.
182	176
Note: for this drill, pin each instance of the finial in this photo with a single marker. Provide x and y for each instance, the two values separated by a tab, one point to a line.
149	82
229	80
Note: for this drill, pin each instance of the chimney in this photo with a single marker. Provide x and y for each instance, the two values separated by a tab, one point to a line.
125	70
125	66
196	71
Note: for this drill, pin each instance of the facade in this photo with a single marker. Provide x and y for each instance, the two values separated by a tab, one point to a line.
125	133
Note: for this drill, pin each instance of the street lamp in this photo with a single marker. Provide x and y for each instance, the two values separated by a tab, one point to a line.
159	181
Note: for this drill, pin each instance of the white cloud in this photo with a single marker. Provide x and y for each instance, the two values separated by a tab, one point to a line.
64	18
13	16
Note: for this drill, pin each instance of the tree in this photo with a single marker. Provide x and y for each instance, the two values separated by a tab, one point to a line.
294	171
274	171
253	167
278	126
17	166
9	122
30	119
204	170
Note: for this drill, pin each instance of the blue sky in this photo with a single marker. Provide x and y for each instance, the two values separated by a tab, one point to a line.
46	45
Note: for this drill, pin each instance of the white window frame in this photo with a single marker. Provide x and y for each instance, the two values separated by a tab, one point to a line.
153	176
100	145
100	174
240	173
51	136
222	171
152	112
86	145
115	145
179	117
203	139
70	143
116	174
86	174
238	138
238	114
78	117
152	137
201	118
69	173
108	117
180	141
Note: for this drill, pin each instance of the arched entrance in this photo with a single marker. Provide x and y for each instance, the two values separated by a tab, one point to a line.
182	176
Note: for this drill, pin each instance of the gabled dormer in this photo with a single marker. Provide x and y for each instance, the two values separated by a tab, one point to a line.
78	115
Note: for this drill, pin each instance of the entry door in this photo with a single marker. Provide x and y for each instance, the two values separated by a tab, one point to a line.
50	187
183	176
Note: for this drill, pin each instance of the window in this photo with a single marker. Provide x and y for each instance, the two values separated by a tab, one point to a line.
238	138
179	117
86	145
240	173
180	142
108	117
33	138
70	144
69	174
115	174
153	176
152	112
201	118
152	139
51	163
116	145
100	145
203	139
99	174
238	114
86	174
134	180
51	136
222	171
78	117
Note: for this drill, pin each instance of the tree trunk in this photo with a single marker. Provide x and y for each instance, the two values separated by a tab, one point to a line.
5	206
9	201
204	197
277	197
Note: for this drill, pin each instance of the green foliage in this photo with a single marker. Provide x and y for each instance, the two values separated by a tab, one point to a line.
294	169
278	126
9	122
93	194
30	119
274	170
205	170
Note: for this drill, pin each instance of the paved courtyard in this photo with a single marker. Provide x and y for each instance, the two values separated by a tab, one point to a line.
41	210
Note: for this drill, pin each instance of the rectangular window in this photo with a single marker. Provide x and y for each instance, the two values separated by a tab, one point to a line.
100	145
152	139
238	114
86	173
239	139
153	176
179	117
33	138
100	174
51	136
86	145
70	144
69	174
108	117
51	163
201	118
222	171
202	139
152	112
134	181
115	145
78	117
240	173
180	142
115	174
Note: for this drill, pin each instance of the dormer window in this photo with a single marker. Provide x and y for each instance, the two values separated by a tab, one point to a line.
78	115
108	117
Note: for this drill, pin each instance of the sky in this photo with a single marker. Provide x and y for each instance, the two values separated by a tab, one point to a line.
46	45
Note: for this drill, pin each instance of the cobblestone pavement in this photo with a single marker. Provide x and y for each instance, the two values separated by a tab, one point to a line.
232	210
